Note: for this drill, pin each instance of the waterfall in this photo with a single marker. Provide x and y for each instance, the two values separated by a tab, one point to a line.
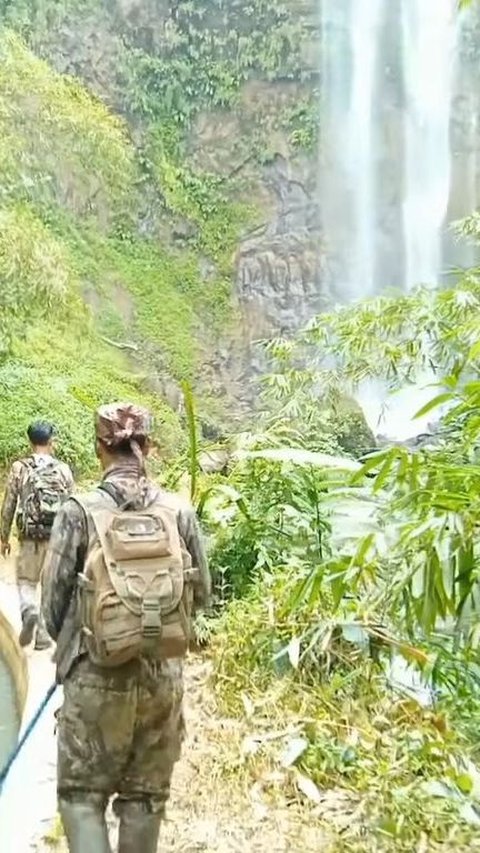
428	28
385	178
348	178
360	153
389	163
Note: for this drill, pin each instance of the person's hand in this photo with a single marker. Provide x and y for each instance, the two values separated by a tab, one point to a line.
5	549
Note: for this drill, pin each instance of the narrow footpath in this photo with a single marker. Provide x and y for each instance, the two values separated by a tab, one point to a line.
210	809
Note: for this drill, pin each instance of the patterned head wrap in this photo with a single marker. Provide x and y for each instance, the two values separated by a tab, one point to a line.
116	423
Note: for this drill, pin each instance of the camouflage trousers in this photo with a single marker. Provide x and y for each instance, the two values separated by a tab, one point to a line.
120	732
29	566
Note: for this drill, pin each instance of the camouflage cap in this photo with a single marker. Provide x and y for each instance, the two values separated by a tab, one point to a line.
118	422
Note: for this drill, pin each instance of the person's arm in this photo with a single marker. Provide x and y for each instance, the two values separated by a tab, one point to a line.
64	560
9	505
69	479
191	534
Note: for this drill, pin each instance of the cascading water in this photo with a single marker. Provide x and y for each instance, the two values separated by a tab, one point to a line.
387	70
428	28
388	78
365	23
349	66
465	133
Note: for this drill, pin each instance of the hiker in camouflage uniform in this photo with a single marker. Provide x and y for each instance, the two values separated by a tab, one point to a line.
31	549
121	728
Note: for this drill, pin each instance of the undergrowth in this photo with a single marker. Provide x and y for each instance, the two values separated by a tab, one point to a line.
65	384
326	721
77	271
352	652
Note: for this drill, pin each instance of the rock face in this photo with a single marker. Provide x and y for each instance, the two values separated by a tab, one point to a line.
277	267
261	134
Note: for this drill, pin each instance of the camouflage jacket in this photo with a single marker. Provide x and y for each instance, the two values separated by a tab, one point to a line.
14	493
68	548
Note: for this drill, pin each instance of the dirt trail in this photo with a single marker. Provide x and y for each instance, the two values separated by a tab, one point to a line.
209	810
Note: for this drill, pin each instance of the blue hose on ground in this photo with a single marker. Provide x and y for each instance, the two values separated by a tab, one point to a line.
33	722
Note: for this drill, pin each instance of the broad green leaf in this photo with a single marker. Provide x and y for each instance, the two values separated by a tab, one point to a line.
370	465
437	401
474	352
384	472
464	783
298	456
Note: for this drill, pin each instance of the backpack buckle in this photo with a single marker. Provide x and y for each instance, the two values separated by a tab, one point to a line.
151	618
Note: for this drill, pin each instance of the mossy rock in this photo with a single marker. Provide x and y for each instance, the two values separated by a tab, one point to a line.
351	429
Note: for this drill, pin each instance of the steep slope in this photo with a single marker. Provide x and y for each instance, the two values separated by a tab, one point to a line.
211	240
67	167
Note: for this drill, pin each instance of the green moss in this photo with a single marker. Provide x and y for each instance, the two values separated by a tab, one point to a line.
211	49
35	271
62	155
58	140
206	201
172	308
65	383
302	121
162	290
161	286
74	188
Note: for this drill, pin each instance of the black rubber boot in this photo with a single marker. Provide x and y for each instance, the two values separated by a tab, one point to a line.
29	623
139	827
85	826
42	640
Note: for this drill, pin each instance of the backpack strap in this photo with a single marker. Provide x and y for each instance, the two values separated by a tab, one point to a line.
113	492
28	463
110	490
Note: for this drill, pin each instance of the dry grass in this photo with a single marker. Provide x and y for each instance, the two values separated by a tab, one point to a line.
215	806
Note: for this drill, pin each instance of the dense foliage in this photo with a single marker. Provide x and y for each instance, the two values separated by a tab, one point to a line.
119	229
360	589
66	166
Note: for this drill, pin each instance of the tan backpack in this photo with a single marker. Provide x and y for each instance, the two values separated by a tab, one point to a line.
136	591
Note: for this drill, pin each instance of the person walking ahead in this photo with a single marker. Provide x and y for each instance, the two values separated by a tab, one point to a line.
35	489
124	569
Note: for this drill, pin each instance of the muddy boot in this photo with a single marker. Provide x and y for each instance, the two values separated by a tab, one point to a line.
42	640
85	826
139	827
29	623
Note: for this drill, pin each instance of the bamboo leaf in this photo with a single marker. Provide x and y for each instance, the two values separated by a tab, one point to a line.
298	456
384	472
368	466
437	401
